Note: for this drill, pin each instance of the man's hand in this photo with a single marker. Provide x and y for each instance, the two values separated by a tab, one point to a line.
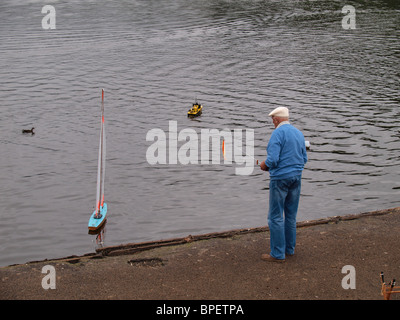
263	166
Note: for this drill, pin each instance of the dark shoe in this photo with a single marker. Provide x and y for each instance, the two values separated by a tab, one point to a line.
267	257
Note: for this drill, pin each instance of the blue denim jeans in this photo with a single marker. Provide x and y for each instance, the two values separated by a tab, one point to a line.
284	197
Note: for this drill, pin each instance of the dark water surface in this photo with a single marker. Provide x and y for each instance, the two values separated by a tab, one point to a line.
240	59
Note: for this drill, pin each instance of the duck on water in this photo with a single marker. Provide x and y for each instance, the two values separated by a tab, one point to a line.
28	130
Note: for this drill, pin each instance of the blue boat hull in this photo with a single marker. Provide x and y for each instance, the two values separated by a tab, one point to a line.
96	223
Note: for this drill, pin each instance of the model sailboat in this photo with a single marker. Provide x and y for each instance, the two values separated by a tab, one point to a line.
98	217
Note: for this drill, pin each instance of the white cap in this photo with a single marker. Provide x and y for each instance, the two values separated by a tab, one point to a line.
280	112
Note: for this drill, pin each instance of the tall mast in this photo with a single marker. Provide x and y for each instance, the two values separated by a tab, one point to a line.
100	165
103	151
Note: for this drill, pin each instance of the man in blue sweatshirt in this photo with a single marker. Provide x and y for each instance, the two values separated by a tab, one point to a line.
286	157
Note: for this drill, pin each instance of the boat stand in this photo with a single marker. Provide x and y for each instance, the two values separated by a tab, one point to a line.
388	288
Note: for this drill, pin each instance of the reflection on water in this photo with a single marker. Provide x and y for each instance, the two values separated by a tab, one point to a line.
239	58
100	235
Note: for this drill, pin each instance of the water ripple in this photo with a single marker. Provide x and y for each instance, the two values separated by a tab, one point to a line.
240	59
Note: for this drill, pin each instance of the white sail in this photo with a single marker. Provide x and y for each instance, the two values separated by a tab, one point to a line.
101	162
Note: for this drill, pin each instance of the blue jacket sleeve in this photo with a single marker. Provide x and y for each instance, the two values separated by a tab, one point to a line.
273	151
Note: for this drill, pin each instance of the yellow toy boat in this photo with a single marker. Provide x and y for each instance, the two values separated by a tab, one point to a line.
196	110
